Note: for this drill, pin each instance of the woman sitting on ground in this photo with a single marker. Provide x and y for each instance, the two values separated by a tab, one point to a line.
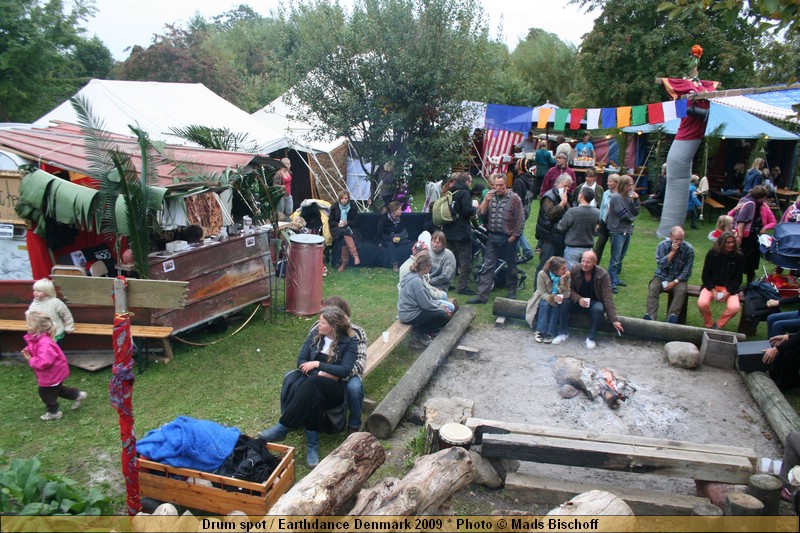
545	312
343	222
416	306
324	365
722	279
393	236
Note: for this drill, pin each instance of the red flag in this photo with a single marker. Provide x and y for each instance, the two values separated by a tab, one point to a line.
575	118
655	113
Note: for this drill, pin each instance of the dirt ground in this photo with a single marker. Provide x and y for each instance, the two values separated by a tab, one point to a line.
511	379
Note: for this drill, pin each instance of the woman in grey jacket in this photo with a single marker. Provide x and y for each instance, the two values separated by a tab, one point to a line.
416	306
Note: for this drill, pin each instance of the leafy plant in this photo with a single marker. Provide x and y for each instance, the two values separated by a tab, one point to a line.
416	448
25	490
216	138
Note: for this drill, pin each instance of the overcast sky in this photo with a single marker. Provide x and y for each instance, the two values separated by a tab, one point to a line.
121	24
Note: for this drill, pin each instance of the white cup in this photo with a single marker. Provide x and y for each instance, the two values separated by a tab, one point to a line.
777	464
385	336
559	298
764	465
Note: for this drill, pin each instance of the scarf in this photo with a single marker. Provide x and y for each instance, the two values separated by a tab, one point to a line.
344	209
556	281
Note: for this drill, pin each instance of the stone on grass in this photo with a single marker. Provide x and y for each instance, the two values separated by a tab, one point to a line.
682	354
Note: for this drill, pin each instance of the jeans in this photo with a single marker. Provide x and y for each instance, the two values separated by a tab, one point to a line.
596	311
780	323
573	255
552	319
524	247
355	399
619	247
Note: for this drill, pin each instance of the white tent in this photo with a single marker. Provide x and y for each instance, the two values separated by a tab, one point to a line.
157	107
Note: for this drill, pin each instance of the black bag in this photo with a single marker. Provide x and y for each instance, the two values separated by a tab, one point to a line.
755	307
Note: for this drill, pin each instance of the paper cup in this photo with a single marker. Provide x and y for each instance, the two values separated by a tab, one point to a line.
764	465
385	336
777	464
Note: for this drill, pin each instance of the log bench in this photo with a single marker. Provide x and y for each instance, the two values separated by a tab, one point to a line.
622	453
378	350
141	332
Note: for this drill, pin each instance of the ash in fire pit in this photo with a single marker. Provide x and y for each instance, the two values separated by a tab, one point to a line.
574	377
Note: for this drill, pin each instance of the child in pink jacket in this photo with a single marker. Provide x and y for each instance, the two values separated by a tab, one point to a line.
49	364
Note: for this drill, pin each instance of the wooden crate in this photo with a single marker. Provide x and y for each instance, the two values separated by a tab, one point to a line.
180	486
718	350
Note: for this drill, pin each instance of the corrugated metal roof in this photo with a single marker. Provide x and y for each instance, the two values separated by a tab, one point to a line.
62	145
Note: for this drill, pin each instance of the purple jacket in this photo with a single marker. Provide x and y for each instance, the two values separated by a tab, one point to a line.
47	360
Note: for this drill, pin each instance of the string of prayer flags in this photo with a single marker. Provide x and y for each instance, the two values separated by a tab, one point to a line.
623	116
575	118
544	115
639	115
609	117
561	119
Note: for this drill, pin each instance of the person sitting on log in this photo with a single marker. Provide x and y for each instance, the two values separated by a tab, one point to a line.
421	247
791	459
444	266
416	306
721	280
544	311
674	262
324	366
785	353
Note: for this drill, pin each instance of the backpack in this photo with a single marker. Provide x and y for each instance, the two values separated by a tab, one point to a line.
755	307
443	210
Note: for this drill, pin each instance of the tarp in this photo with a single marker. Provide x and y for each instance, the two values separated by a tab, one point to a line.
736	124
774	104
157	107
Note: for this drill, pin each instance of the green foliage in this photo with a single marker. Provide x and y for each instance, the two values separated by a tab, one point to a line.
778	60
25	490
779	14
216	138
415	448
632	43
44	55
548	66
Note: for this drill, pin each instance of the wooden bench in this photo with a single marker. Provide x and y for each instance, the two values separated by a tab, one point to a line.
378	350
622	453
142	332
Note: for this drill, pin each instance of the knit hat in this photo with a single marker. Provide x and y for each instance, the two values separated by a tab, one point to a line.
418	247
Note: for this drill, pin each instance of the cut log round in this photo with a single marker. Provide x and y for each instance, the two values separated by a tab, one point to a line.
741	504
593	503
423	490
781	416
335	481
390	411
767	490
647	329
706	509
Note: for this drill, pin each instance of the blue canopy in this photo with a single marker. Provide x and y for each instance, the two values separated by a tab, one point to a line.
737	125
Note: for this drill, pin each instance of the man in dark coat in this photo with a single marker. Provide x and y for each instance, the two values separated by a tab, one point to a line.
459	232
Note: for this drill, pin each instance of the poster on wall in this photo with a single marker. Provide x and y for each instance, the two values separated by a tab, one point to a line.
9	196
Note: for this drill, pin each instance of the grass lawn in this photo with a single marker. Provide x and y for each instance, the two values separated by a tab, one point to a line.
237	380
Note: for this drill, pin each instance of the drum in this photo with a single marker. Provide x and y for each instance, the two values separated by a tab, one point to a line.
453	434
304	274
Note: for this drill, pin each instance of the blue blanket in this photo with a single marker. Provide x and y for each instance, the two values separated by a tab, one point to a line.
189	443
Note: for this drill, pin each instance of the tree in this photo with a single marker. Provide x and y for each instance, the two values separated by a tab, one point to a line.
392	79
44	55
778	13
548	66
632	43
778	60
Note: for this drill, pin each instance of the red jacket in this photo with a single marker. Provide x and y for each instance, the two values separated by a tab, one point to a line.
47	360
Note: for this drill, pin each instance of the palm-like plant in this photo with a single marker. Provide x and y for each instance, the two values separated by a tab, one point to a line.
126	202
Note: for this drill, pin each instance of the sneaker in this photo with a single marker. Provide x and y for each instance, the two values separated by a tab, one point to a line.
672	318
615	290
77	402
415	344
560	338
512	295
538	337
647	316
590	344
476	300
467	291
51	416
622	283
548	339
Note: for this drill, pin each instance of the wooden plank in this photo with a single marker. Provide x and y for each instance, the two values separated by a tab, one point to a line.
144	293
480	426
713	203
544	490
378	350
619	457
147	332
91	361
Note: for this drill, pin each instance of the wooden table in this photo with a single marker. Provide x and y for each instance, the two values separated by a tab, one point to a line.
786	196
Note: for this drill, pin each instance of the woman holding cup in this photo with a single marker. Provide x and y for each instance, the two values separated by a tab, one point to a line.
343	222
722	279
545	312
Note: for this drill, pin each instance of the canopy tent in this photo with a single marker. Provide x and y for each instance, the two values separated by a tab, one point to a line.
157	107
728	122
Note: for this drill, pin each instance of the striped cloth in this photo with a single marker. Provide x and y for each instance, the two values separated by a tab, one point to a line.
496	144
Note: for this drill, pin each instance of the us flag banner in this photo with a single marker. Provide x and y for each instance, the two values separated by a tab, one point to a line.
496	144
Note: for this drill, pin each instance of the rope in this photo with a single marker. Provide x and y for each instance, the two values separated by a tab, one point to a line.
184	341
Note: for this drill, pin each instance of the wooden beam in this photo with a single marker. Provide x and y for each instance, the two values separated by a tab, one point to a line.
544	490
142	293
780	415
379	349
619	457
480	427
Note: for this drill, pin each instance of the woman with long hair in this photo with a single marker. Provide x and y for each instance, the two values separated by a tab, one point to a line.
545	312
416	306
722	280
324	365
343	222
283	178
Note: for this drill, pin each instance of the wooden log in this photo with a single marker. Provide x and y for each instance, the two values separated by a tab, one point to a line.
647	329
593	503
767	490
706	509
390	411
741	504
335	481
423	490
780	415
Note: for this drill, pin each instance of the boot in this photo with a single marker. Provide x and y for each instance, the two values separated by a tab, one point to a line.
276	433
351	246
345	258
312	448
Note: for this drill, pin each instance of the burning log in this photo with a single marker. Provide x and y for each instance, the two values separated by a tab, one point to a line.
605	383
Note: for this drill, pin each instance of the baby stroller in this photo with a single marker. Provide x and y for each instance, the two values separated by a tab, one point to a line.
783	247
479	239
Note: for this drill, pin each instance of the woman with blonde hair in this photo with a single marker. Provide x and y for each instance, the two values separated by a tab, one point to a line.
283	178
754	176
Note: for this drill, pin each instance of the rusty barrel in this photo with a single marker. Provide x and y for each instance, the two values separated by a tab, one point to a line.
304	274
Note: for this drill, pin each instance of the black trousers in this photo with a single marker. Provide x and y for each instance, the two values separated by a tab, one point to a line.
50	395
463	252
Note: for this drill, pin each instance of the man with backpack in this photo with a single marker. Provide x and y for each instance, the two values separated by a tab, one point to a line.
459	231
523	186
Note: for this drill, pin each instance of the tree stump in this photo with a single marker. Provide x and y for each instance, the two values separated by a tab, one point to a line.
441	411
706	509
766	489
335	481
593	503
741	504
423	490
